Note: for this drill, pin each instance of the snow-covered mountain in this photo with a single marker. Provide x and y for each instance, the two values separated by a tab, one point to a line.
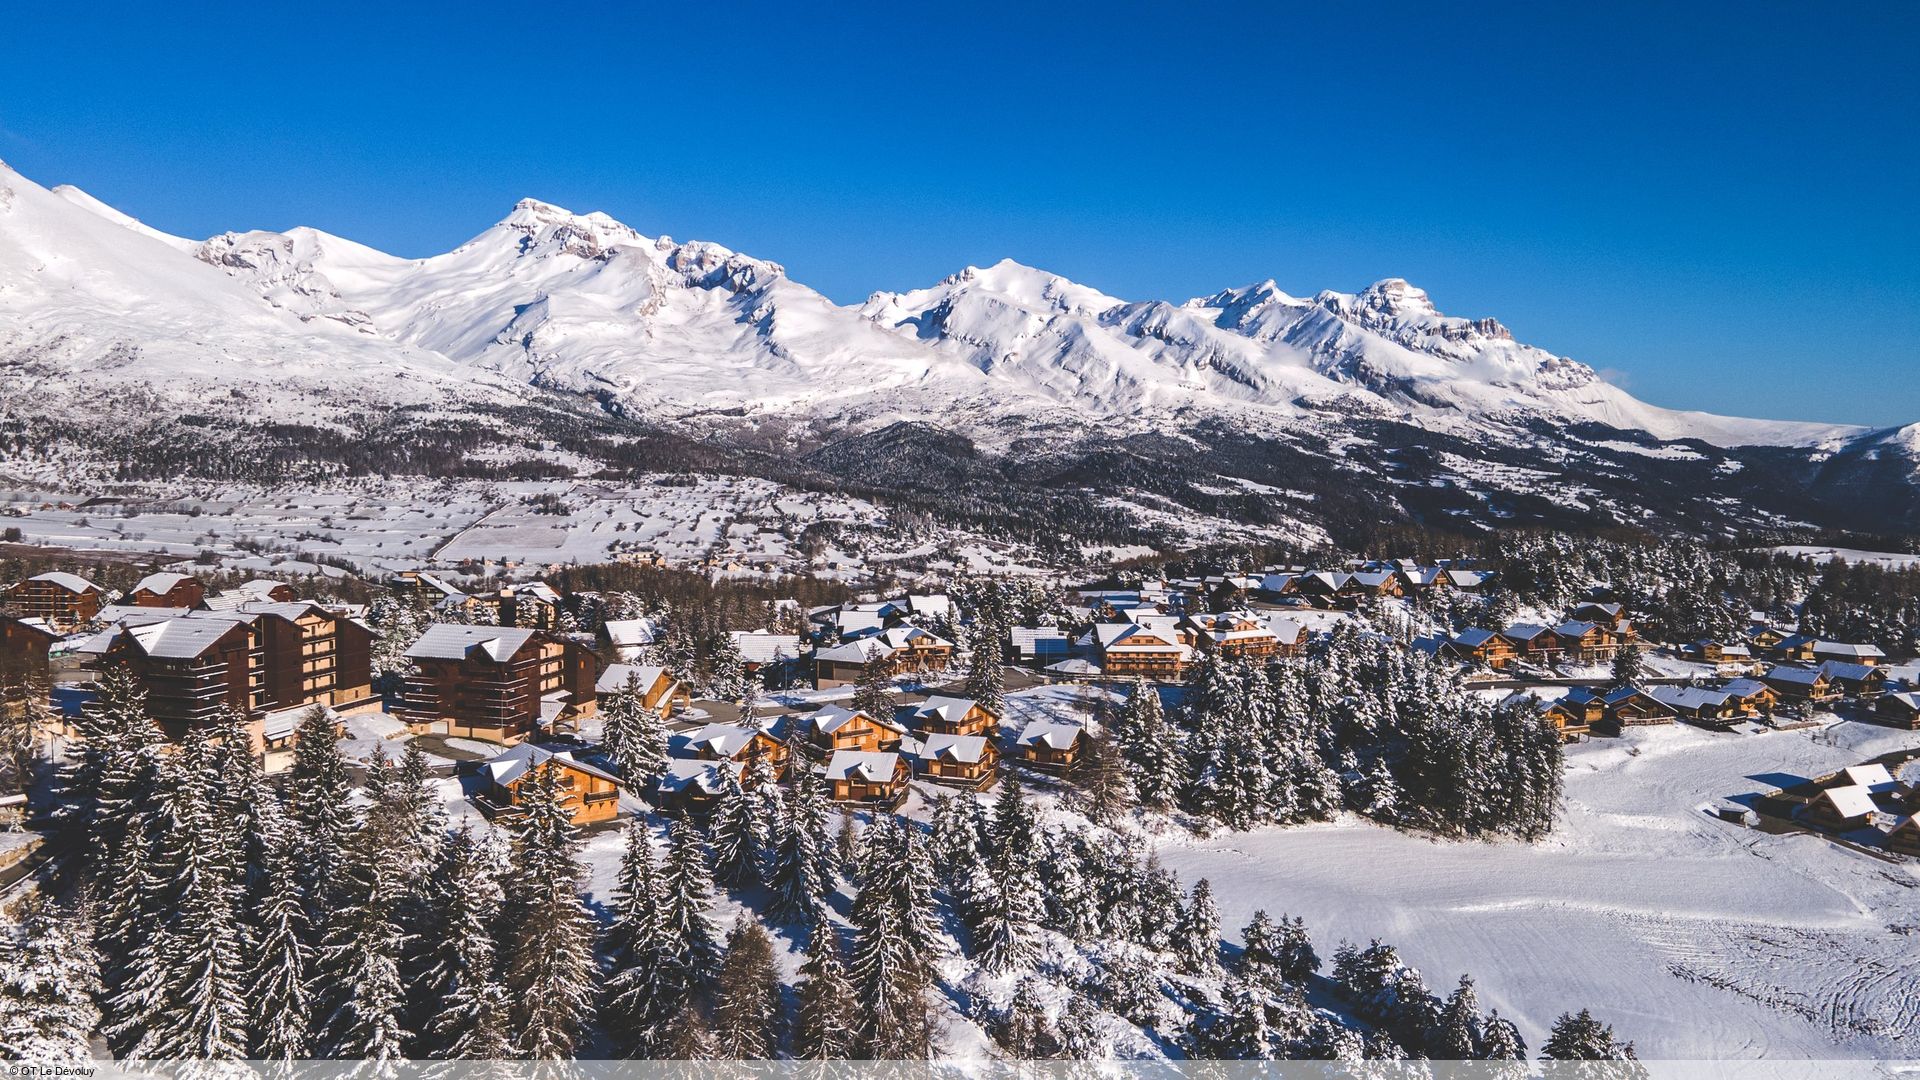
555	340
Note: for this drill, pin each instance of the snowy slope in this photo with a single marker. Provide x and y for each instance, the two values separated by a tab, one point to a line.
584	303
94	306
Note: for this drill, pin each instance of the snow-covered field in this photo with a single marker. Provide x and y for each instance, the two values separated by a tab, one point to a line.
1892	560
1696	938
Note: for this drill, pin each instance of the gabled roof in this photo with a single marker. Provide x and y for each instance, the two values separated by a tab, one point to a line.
73	583
435	583
834	717
1845	672
526	757
1846	649
765	646
1686	698
877	766
1524	632
969	749
1874	777
1851	801
1575	629
1467	579
1132	635
1909	698
950	710
1473	637
625	633
455	641
707	777
161	583
1745	687
1628	693
172	639
614	679
853	652
723	739
1611	610
1794	676
1051	733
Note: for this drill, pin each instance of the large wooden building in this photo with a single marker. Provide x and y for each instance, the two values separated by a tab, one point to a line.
63	601
1130	649
591	794
1051	745
898	650
959	760
834	729
167	590
869	778
499	683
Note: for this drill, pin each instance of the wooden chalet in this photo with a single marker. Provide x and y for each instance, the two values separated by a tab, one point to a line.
1904	837
1842	809
1051	745
1855	680
899	649
1372	583
1847	653
960	760
1900	709
167	590
1576	713
1630	706
1324	587
1125	650
191	669
499	683
761	649
1800	683
1479	646
1611	616
940	715
737	743
626	639
590	793
1533	644
1420	579
834	729
1702	705
25	645
1233	634
659	691
1585	642
256	591
868	778
1721	654
530	606
690	785
65	602
1764	638
427	590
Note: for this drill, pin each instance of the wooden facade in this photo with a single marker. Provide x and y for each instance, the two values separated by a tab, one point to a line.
877	779
501	684
589	794
1483	647
834	729
953	716
168	591
1904	838
1634	708
1130	650
960	760
65	602
1050	746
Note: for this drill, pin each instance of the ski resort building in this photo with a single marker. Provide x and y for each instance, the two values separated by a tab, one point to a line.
868	778
1127	650
168	590
63	601
968	761
499	683
659	691
588	792
1050	745
834	729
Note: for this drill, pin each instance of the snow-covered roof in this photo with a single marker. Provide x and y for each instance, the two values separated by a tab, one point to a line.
765	646
1575	628
1845	672
437	584
517	762
1058	735
869	765
172	639
614	679
723	739
1794	676
1473	637
161	582
853	652
1847	650
113	613
630	633
1874	777
71	582
1467	579
1524	631
282	723
1851	801
1687	698
834	717
950	710
705	776
1134	637
1909	698
1742	688
931	605
454	641
963	748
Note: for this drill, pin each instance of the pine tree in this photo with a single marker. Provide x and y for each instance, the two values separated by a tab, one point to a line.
1457	1037
1502	1041
114	803
634	734
687	893
1628	665
823	1029
746	1013
184	998
318	800
638	1003
463	1004
549	970
890	977
873	694
358	988
799	879
1196	937
1023	1029
48	979
280	1008
730	830
1583	1038
1106	791
986	676
1150	749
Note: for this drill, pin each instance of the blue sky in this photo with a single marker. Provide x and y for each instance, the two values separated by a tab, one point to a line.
1714	203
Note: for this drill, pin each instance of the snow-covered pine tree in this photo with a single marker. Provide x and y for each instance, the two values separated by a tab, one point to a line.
1582	1038
824	1027
986	677
1457	1035
548	969
1501	1041
1150	747
1105	789
464	1007
727	678
1196	937
873	694
686	895
799	861
48	979
358	989
890	984
184	999
638	1005
279	1006
1023	1028
318	796
746	1011
730	831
